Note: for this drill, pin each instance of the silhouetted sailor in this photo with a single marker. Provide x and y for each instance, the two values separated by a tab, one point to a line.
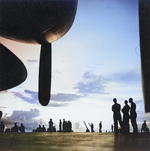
69	126
125	111
50	123
133	115
2	127
116	116
15	128
60	125
144	128
64	125
100	126
50	129
54	129
22	128
43	129
92	127
39	129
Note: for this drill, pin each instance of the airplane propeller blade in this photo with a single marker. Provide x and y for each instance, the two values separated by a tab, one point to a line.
12	70
45	74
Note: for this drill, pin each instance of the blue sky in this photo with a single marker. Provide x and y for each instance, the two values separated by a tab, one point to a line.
97	60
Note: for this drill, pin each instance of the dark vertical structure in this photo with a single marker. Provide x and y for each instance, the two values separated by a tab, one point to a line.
1	113
144	25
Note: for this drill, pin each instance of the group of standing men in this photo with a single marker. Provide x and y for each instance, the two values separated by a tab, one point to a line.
129	112
65	126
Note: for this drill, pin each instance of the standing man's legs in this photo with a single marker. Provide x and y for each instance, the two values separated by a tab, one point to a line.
115	124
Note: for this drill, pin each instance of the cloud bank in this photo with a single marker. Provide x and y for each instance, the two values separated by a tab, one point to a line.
57	99
28	118
91	84
129	77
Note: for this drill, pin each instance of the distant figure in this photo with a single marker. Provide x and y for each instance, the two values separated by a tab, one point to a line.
22	128
39	129
69	126
133	115
100	126
116	116
1	113
50	129
60	125
64	125
92	127
43	129
50	123
125	111
15	128
2	127
54	129
144	127
112	128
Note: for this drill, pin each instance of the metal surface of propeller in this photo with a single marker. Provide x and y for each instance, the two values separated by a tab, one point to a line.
12	70
38	21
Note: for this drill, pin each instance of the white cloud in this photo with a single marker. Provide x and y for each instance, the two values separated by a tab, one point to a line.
77	127
63	97
91	84
58	104
28	118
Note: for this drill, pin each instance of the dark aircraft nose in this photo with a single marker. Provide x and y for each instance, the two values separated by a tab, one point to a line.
37	21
